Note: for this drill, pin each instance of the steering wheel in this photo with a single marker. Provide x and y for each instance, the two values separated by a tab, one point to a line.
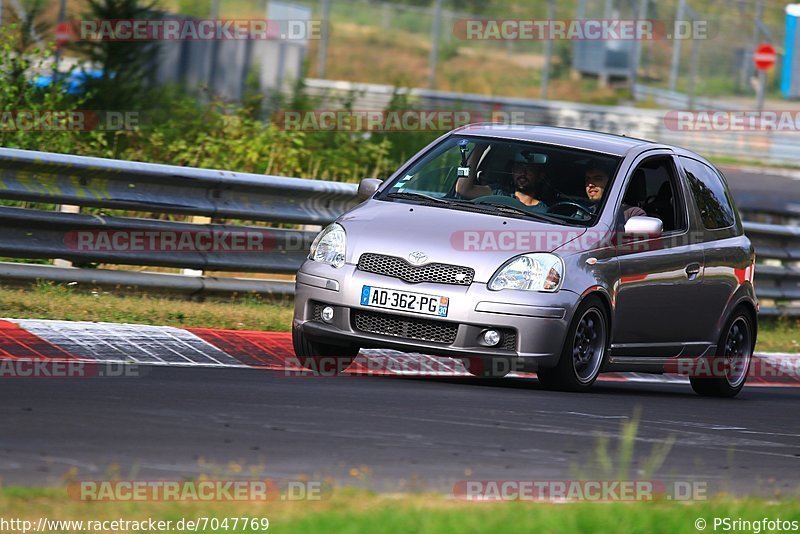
568	204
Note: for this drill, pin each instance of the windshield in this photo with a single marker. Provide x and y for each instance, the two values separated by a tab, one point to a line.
509	178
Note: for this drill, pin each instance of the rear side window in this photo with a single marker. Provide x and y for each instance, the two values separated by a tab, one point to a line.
709	194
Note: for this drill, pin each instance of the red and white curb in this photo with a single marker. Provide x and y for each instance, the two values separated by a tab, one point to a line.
41	340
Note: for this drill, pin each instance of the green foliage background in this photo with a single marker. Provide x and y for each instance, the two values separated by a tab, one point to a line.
178	128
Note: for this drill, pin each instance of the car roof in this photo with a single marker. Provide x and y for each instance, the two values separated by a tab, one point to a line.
616	145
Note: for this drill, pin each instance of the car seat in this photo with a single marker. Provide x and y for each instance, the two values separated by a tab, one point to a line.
662	206
636	195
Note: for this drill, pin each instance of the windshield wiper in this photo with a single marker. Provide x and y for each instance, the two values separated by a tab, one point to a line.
505	207
408	195
480	206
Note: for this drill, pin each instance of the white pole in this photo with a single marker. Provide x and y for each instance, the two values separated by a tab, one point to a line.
762	89
548	51
676	48
322	57
437	29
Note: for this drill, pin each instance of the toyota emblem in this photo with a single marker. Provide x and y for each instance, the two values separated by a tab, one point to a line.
417	257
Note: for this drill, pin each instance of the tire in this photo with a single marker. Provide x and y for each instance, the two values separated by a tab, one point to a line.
584	352
321	358
736	344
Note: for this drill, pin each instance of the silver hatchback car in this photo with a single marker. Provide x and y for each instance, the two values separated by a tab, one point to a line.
525	248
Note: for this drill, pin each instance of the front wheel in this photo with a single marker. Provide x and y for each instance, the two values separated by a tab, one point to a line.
322	358
584	350
734	352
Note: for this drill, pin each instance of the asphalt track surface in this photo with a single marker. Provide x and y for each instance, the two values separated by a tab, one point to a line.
765	189
410	433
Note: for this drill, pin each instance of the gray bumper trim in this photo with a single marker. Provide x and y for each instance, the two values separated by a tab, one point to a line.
504	308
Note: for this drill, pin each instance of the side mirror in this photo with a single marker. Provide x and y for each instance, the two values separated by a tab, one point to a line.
367	188
640	225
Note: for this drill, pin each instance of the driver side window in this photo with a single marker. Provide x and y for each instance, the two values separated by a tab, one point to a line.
653	188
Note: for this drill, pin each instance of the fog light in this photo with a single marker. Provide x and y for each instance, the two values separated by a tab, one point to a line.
327	314
491	337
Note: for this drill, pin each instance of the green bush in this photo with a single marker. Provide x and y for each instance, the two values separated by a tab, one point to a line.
19	97
179	129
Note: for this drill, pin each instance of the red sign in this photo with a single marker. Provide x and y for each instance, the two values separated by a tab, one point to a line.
63	33
765	56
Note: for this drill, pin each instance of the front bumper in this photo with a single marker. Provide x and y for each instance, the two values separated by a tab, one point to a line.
533	324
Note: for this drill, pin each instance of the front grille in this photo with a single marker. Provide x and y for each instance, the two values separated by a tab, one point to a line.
317	315
409	328
441	273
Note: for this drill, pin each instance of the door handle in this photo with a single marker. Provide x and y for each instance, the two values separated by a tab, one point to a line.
692	270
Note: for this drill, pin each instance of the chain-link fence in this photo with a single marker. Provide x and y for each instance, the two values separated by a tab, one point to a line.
713	57
716	59
719	62
393	43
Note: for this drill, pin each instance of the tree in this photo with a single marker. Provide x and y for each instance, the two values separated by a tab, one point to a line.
118	72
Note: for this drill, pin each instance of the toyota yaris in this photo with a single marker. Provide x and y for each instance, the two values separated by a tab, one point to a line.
564	252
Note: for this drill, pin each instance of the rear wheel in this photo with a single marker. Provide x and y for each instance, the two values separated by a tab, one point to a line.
732	360
584	350
322	358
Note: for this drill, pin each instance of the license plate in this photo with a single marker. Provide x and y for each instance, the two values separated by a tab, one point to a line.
393	299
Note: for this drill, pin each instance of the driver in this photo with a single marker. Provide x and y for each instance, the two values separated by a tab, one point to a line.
595	181
526	177
467	186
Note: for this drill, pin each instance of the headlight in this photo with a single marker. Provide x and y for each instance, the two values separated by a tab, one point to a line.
531	272
329	246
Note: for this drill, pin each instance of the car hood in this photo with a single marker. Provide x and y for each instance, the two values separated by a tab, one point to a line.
442	235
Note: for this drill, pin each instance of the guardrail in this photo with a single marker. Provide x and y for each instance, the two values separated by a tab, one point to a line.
102	183
778	271
778	147
107	183
79	238
675	100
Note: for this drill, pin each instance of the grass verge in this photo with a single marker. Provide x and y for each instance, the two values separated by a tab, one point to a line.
350	510
50	301
778	335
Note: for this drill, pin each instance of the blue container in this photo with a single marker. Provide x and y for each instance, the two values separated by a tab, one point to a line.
790	78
